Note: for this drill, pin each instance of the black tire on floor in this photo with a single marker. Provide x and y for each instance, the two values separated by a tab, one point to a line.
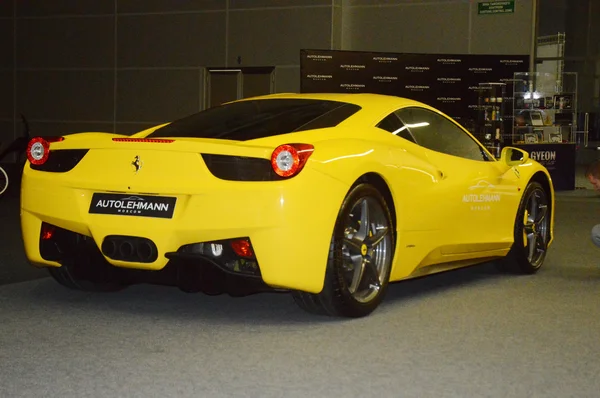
336	298
88	272
525	257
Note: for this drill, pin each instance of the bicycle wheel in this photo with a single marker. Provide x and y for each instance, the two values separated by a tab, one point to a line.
3	181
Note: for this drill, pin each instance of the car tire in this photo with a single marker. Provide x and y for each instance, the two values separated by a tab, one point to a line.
360	258
88	272
531	232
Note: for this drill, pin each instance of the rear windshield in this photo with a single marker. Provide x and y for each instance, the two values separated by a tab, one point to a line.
248	120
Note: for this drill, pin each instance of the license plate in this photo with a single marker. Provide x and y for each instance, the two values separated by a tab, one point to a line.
133	205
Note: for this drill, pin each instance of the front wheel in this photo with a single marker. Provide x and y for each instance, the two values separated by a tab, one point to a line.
532	232
360	258
3	181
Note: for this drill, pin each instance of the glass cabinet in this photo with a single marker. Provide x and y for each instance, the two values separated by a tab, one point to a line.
544	108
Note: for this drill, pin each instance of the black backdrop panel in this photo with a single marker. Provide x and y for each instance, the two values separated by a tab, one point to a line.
446	81
559	159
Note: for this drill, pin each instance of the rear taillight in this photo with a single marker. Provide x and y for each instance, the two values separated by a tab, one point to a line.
38	150
289	159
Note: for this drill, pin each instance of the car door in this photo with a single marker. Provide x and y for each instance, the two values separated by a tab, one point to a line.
471	187
417	188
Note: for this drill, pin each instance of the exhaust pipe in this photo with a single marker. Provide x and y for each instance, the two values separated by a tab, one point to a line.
145	251
109	248
129	248
126	250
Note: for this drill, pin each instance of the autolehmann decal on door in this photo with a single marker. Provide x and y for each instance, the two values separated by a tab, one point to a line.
481	198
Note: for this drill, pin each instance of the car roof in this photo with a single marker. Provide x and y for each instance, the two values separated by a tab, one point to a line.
365	100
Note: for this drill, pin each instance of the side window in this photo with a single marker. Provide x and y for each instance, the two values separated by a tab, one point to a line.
395	126
435	132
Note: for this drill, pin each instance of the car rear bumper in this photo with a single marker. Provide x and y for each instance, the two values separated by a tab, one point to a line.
289	223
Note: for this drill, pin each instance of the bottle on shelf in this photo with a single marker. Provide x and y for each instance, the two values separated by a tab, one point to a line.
491	113
497	143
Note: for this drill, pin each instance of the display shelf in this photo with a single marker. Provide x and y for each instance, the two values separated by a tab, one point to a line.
544	108
545	122
492	113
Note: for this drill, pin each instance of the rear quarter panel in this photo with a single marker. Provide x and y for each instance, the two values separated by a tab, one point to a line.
349	154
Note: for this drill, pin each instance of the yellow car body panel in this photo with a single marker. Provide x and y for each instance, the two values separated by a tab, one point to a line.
208	209
449	211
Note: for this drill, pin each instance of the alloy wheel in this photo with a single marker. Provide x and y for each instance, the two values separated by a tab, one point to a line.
536	227
366	249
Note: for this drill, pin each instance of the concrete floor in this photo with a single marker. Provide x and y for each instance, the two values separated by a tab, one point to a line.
13	264
467	333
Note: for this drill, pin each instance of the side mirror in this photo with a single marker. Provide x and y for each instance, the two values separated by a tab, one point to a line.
512	156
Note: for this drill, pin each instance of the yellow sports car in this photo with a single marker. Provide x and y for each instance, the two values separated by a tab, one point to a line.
328	196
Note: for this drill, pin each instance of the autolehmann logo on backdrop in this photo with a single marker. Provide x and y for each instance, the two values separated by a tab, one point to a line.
449	99
320	57
319	77
352	86
449	79
480	70
511	61
385	79
385	59
449	61
352	67
417	68
416	88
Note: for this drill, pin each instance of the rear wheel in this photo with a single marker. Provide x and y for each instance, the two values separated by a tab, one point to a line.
88	272
3	181
532	232
360	258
